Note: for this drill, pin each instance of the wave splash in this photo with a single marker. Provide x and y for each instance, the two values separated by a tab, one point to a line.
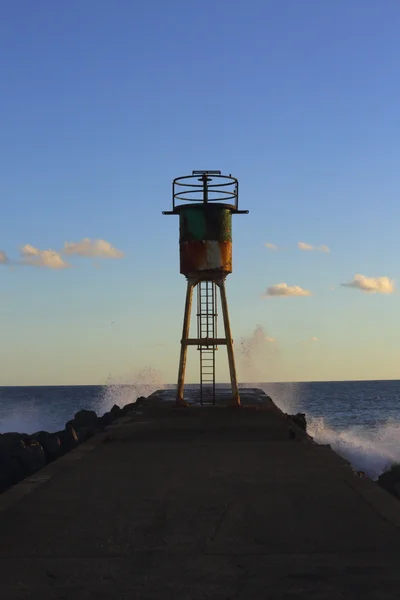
371	451
143	383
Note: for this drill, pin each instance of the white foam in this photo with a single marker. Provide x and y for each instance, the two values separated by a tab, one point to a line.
372	451
141	383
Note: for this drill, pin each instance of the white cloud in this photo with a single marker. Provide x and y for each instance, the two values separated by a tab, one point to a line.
271	246
304	246
4	260
314	339
93	248
372	285
283	289
49	259
270	340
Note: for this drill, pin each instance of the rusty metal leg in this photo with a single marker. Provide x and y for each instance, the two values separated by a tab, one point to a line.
185	334
229	345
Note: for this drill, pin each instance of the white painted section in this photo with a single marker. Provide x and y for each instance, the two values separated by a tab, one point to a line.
213	255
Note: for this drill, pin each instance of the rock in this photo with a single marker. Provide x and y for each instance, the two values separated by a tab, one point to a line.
128	408
115	411
139	402
105	420
68	439
50	443
11	471
396	488
300	420
83	418
85	433
37	457
13	437
29	453
390	480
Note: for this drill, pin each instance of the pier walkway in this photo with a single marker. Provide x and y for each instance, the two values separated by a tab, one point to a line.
200	503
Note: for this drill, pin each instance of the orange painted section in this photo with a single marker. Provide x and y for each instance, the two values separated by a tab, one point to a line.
206	255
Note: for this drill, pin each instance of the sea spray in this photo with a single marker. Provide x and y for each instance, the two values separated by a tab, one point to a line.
128	389
370	451
257	354
286	396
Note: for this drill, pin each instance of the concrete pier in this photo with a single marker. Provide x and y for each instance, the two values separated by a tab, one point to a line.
197	503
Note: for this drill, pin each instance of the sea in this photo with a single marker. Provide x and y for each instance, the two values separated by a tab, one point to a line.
359	419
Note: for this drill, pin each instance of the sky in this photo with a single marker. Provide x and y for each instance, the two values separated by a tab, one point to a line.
103	103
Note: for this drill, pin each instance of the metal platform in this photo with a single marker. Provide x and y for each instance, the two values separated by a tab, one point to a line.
223	394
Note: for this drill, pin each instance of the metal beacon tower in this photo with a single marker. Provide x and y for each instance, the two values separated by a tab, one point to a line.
205	239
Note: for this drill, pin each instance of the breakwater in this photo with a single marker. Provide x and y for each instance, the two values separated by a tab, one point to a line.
22	454
200	502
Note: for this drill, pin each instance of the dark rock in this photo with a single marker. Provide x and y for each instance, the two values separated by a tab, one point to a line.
139	402
85	433
115	411
11	471
13	437
33	458
396	488
300	420
105	420
128	408
29	453
390	480
50	443
68	439
83	418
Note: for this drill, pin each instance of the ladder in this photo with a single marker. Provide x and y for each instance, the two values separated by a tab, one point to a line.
207	328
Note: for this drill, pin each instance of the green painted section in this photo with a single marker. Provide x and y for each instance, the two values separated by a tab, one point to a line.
205	222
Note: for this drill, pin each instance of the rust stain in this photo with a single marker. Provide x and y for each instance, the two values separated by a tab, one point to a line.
197	256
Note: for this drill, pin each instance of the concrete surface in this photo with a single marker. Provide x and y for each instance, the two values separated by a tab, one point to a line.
200	503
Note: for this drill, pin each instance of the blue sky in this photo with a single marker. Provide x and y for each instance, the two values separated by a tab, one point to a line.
104	103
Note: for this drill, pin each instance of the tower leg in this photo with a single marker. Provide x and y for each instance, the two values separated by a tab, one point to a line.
229	345
185	334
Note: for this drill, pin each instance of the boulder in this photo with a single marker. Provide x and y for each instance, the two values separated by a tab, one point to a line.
37	458
84	417
140	402
300	420
50	443
29	453
13	437
85	424
115	411
105	420
86	432
68	439
396	488
390	480
11	471
128	408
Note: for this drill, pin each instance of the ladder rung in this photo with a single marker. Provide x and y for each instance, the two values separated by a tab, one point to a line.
207	332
